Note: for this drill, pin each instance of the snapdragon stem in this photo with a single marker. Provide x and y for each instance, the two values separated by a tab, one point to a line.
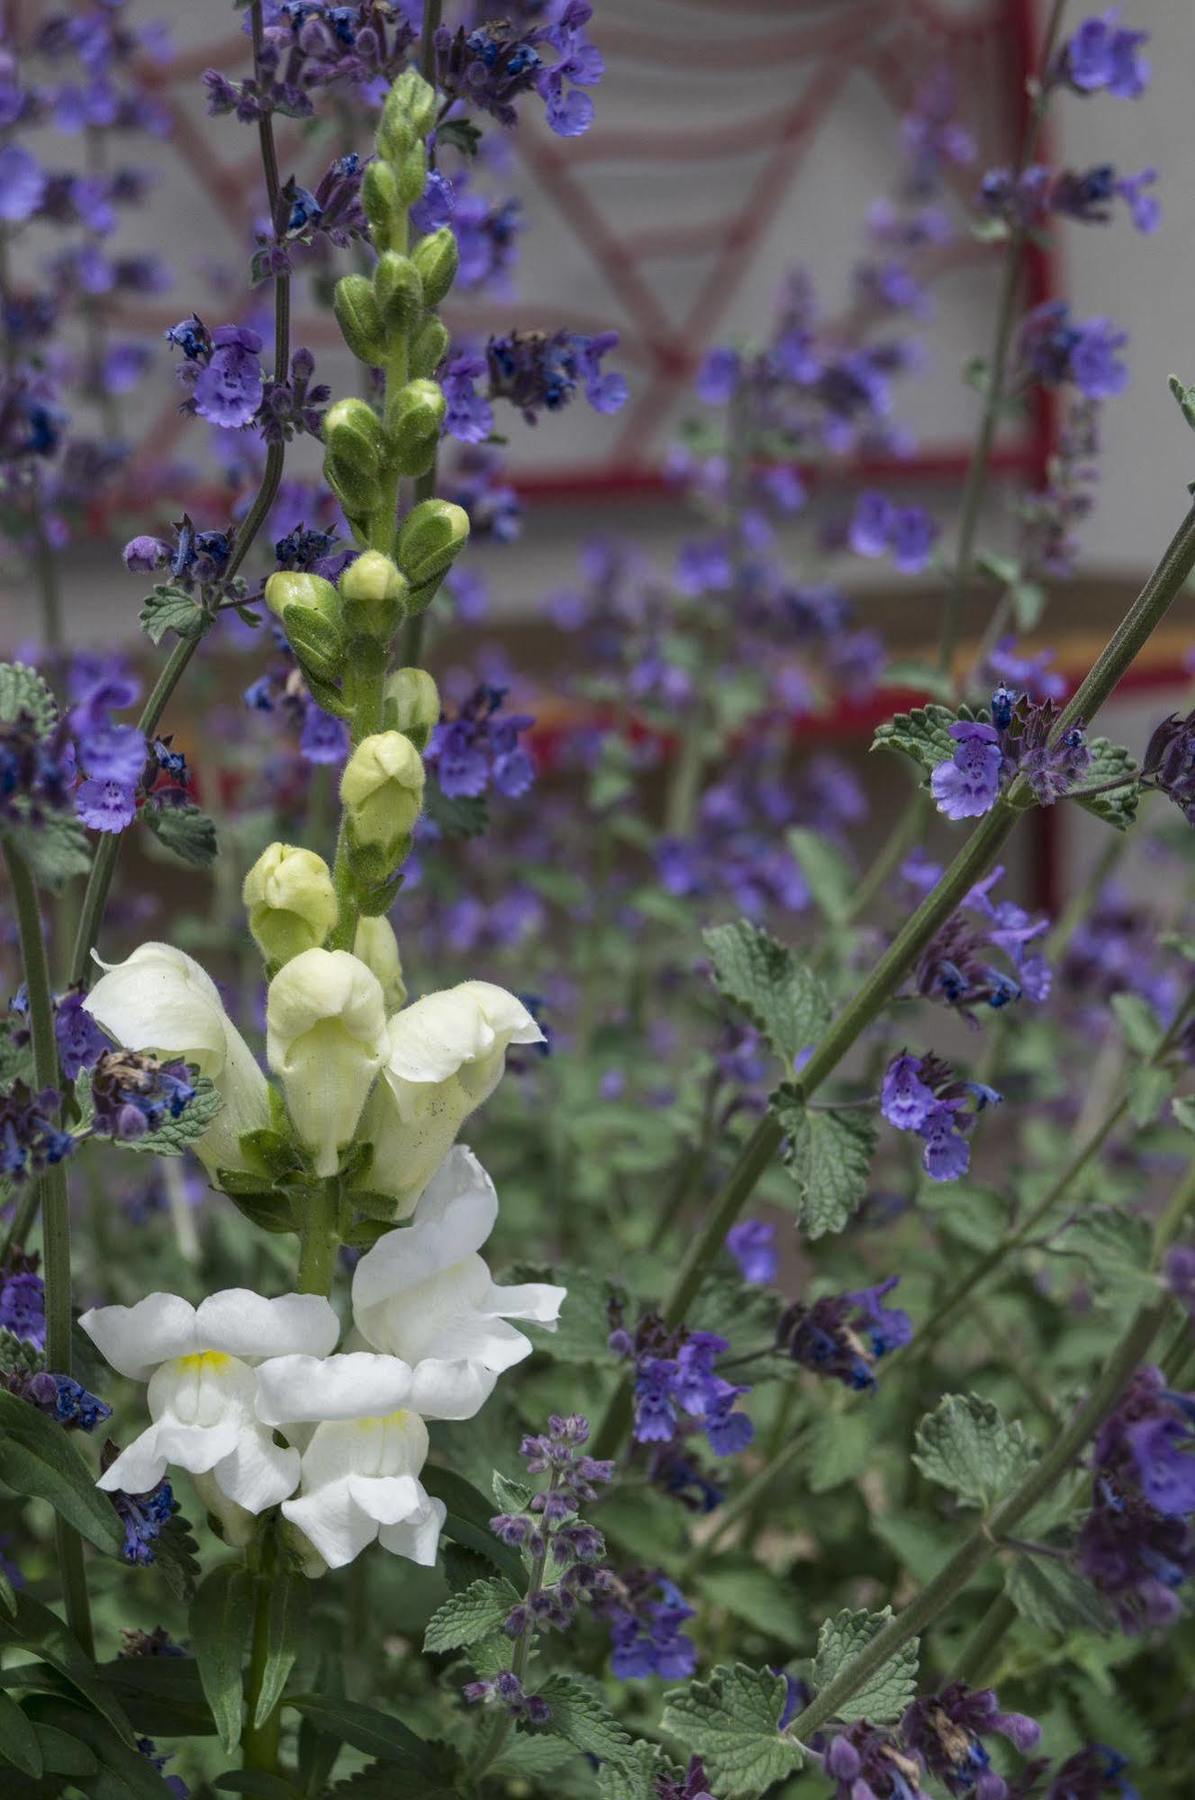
259	1743
319	1239
55	1208
972	861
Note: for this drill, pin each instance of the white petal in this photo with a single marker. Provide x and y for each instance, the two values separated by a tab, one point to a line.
329	1518
418	1538
325	1039
258	1473
431	1039
536	1300
455	1216
138	1468
160	998
450	1390
387	1498
197	1448
351	1386
246	1324
135	1339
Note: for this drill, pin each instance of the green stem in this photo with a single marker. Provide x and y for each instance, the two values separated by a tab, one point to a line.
983	1542
259	1743
415	627
319	1239
491	1747
1000	1616
55	1205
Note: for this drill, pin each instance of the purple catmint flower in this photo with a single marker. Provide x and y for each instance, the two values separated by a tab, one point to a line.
843	1336
752	1243
468	416
645	1614
30	1137
945	1731
718	376
1169	764
922	1094
907	534
480	748
1057	349
80	1041
1103	56
906	1101
324	738
968	784
228	391
23	1299
143	1516
1093	1773
133	1093
23	184
59	1397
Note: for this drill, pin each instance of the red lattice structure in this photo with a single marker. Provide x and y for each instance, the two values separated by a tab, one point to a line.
661	218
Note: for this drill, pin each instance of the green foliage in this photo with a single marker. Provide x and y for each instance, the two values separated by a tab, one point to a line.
1117	807
33	1627
732	1721
1047	1592
885	1693
966	1446
828	1155
38	1459
23	693
458	816
376	1733
56	850
172	609
468	1520
221	1621
579	1715
832	881
476	1612
185	831
767	981
923	734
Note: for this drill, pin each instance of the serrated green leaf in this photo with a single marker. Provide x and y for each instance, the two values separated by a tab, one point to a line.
583	1718
830	877
634	1779
176	1135
474	1613
965	1445
732	1721
1116	1246
779	993
1118	806
56	851
1051	1596
37	1458
839	1449
509	1496
185	831
171	609
886	1693
23	690
923	733
221	1621
529	1758
828	1155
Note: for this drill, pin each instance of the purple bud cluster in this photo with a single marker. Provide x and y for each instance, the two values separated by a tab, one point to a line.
922	1094
551	1532
956	966
1103	56
507	1691
692	1785
1137	1545
1022	739
486	231
133	1093
23	1299
905	534
60	1397
1059	350
1169	764
535	372
491	67
677	1388
312	222
30	1137
843	1336
946	1733
1028	198
309	47
477	749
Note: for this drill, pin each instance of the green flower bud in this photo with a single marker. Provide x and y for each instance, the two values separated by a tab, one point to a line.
412	704
399	291
432	536
381	790
377	947
372	592
410	174
291	902
437	258
355	447
360	322
310	613
413	418
409	113
379	196
429	344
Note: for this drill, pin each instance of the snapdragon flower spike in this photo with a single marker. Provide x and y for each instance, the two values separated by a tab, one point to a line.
23	1298
922	1094
1103	56
200	1365
946	1731
1137	1546
646	1613
843	1336
477	749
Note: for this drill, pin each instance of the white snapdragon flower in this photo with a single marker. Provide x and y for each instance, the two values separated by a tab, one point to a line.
361	1463
445	1054
325	1040
423	1294
200	1365
160	999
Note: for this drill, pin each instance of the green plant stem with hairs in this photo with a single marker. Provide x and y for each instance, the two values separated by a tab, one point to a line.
971	862
51	1189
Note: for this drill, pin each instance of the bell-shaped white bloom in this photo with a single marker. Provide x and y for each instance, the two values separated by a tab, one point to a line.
161	1000
325	1039
423	1294
199	1362
360	1481
445	1055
